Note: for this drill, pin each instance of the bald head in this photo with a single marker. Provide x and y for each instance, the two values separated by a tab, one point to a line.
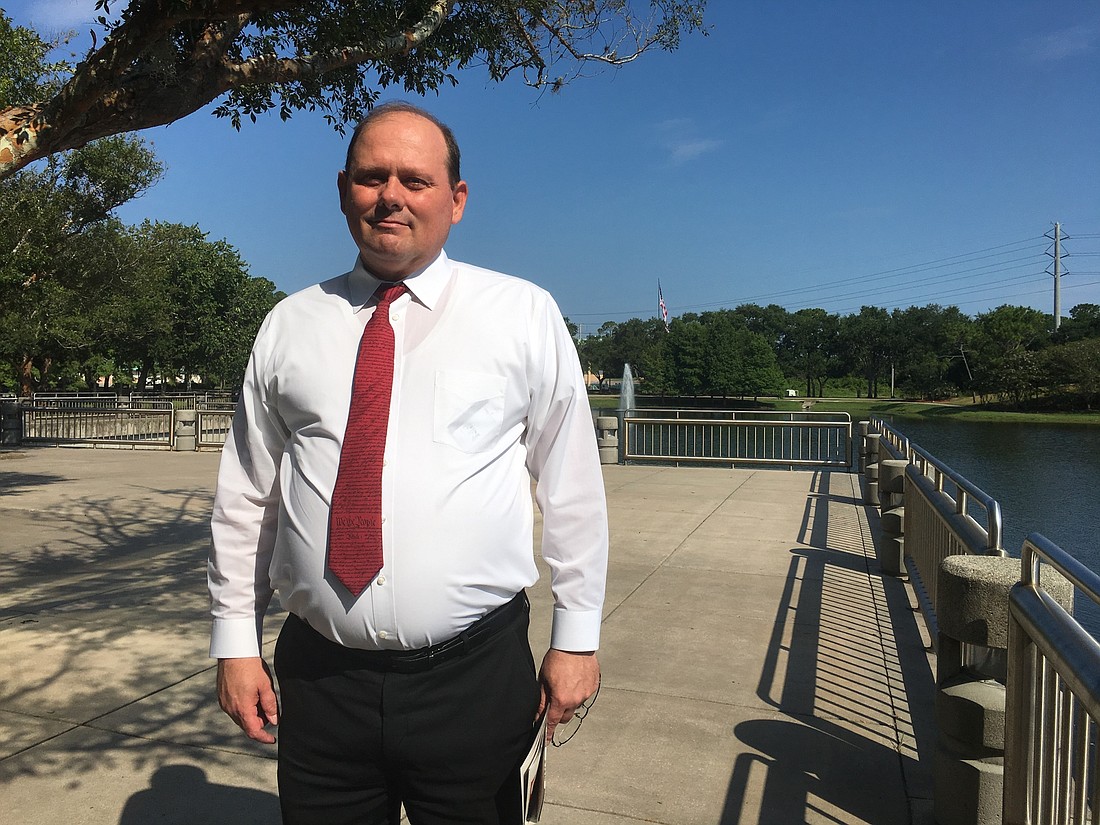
393	107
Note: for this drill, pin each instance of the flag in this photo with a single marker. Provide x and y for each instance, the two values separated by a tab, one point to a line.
661	305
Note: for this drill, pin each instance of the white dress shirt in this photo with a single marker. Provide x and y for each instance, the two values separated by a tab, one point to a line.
487	394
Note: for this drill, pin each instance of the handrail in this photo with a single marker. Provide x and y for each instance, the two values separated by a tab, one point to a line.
738	415
1052	705
730	437
46	423
212	426
938	518
1052	672
966	492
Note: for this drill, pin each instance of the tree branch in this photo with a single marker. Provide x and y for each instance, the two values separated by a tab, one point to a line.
117	89
164	59
267	68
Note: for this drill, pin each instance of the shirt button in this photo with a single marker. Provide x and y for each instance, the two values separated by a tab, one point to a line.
381	580
382	634
395	317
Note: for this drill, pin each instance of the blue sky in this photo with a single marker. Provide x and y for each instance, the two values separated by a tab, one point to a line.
814	153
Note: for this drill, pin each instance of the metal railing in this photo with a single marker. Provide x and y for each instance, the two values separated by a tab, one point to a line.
729	437
187	400
146	404
73	400
1052	706
212	427
144	401
50	424
945	515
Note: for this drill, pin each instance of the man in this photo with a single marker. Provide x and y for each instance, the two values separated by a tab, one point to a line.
404	672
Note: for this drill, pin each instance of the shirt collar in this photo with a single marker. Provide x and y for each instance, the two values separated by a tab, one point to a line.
425	286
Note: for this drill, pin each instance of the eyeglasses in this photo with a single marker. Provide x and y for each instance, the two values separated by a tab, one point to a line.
567	730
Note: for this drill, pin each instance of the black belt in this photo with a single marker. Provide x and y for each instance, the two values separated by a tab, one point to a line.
425	658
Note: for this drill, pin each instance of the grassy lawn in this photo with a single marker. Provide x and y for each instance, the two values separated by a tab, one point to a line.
603	402
861	409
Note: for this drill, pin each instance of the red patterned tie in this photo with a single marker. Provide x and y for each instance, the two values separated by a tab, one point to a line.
355	517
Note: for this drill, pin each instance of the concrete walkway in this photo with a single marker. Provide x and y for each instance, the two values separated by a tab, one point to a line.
757	669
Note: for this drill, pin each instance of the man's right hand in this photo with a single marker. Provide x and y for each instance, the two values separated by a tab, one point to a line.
246	692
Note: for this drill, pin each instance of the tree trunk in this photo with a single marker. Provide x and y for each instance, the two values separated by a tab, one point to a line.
27	384
117	88
44	371
143	375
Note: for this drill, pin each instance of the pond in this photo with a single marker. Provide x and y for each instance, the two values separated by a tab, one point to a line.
1046	478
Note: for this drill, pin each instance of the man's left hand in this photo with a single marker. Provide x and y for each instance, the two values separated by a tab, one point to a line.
567	679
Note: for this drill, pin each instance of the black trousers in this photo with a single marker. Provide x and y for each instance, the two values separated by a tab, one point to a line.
355	744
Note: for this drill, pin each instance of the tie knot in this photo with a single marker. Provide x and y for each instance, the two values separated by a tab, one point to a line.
388	293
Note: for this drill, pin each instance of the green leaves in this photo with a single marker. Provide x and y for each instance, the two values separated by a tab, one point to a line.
164	59
26	76
78	288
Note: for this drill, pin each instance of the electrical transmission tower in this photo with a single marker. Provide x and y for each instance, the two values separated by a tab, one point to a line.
1055	252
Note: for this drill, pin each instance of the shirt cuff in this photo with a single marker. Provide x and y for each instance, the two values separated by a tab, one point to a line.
576	631
235	638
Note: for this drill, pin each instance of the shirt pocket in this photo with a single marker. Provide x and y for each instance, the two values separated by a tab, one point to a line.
469	409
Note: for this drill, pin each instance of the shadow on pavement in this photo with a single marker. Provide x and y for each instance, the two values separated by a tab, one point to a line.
843	675
182	795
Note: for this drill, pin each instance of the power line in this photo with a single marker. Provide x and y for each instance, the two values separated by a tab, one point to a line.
964	273
899	287
942	294
914	269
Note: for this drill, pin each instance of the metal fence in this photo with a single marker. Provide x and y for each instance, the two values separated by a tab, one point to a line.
142	401
945	515
212	427
187	400
73	400
734	437
1053	698
61	423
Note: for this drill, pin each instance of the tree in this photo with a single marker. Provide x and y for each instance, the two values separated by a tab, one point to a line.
687	355
1083	322
865	343
724	363
811	346
595	352
25	71
1074	368
773	322
57	250
164	59
1007	339
194	309
574	329
760	370
930	350
636	342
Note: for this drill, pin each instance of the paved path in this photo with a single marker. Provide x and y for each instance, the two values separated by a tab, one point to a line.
757	669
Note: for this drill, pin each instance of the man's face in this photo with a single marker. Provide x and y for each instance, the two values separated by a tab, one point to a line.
397	197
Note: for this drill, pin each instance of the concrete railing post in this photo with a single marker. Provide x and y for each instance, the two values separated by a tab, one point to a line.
970	706
869	460
11	424
862	428
891	494
607	438
971	667
186	436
